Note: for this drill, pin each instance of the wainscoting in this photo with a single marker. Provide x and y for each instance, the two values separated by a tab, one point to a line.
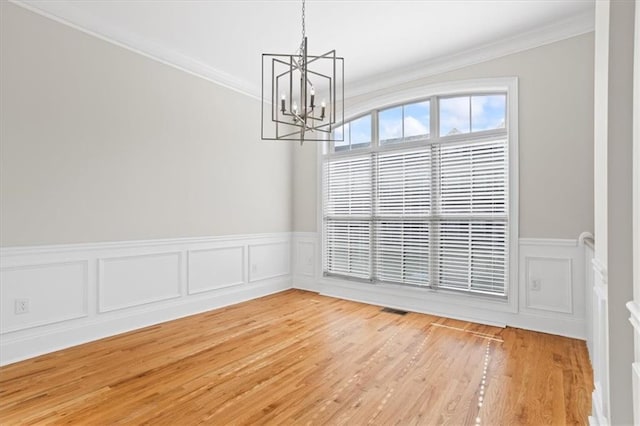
598	342
83	292
634	309
59	296
549	295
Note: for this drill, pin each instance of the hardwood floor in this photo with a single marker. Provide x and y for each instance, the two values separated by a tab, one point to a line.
300	358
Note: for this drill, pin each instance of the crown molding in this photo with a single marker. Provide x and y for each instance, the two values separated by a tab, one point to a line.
67	14
560	30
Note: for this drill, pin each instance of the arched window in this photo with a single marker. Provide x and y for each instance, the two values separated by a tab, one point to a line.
418	193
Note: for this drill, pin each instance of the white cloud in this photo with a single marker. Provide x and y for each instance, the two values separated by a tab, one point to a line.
390	129
413	127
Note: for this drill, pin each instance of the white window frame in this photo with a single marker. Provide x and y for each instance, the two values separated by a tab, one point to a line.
417	94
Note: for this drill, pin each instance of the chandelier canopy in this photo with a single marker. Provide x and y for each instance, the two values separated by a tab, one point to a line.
302	94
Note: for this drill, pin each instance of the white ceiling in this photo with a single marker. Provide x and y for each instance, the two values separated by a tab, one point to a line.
380	40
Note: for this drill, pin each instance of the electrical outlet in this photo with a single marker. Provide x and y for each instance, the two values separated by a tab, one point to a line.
308	261
22	306
254	268
535	285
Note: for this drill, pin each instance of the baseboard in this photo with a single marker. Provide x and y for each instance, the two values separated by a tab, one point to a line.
80	293
555	305
39	343
598	408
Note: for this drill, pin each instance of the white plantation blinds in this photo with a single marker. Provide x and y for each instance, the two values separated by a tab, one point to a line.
431	212
347	212
401	220
472	230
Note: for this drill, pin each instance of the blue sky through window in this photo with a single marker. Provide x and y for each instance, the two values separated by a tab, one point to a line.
342	132
454	116
395	126
390	126
361	132
416	119
487	112
464	114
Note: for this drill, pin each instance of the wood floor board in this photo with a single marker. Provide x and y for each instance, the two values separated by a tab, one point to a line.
304	359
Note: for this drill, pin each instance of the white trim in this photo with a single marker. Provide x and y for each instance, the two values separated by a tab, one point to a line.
634	309
14	348
634	306
635	367
151	302
480	85
285	272
134	244
552	33
598	417
474	308
243	280
568	291
555	242
477	85
65	13
585	236
104	261
600	343
601	271
57	319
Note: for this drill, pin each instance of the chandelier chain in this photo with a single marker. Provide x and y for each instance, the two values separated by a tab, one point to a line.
304	29
304	32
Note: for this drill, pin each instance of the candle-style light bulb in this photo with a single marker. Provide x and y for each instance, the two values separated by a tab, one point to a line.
323	105
313	96
295	108
283	105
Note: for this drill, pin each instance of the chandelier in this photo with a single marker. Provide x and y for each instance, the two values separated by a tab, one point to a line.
302	94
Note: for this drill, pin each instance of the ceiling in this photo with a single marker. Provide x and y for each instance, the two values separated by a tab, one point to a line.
381	41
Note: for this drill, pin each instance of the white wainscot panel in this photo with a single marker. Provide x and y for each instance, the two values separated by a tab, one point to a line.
129	281
269	260
215	268
548	285
52	293
305	256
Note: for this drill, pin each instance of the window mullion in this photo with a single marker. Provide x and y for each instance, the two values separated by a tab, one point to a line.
435	194
373	252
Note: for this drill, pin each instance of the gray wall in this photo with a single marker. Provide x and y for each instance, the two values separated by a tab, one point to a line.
613	187
556	138
102	144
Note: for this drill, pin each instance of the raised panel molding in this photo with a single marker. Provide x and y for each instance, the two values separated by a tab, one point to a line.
307	261
305	255
558	263
552	279
55	292
215	268
634	309
269	260
600	356
83	292
548	284
636	387
128	281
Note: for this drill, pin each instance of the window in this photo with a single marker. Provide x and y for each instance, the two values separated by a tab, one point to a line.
417	194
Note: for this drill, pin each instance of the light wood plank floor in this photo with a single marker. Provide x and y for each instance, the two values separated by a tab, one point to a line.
300	358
